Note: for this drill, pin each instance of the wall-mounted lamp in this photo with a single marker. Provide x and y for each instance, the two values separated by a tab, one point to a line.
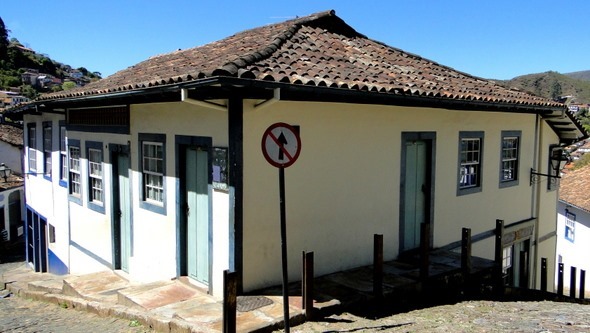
558	160
5	172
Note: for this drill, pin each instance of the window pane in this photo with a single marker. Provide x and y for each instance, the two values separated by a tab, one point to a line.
153	170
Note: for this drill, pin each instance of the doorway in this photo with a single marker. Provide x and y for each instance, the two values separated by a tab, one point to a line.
122	217
194	206
416	187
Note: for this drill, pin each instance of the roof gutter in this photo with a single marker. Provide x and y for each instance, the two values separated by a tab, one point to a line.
275	98
184	98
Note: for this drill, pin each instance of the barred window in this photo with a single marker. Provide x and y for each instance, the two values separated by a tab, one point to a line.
153	171
75	181
32	149
470	162
95	175
47	147
63	154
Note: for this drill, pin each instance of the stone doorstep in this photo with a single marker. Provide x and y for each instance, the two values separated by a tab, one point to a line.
100	286
52	286
155	295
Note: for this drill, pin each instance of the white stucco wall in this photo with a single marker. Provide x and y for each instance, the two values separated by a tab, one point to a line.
573	252
345	185
12	156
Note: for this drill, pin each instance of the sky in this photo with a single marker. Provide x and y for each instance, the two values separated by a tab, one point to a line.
496	39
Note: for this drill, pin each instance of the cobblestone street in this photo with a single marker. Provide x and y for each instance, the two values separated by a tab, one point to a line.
22	315
470	316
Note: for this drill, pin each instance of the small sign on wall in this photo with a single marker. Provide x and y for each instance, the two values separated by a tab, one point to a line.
220	166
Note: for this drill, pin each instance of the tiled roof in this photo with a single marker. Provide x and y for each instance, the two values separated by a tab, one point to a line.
11	134
575	186
317	50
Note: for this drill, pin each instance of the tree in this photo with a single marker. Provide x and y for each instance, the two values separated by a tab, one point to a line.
68	85
3	40
555	90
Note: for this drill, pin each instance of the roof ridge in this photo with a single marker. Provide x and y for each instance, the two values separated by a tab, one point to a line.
231	68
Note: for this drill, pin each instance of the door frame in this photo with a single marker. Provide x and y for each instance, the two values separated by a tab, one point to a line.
114	151
181	142
430	139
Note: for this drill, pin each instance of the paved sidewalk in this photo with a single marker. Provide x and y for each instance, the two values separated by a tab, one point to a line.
166	306
177	306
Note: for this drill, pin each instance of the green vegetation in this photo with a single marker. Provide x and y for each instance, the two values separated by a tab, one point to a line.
583	161
552	85
16	59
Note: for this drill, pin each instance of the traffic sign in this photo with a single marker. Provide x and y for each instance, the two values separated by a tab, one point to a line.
281	145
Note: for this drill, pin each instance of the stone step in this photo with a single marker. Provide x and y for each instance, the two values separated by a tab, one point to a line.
100	286
157	294
52	286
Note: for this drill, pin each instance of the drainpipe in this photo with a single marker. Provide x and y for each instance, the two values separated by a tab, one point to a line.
536	194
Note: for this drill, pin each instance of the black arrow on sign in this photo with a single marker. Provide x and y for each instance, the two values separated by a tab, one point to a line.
283	142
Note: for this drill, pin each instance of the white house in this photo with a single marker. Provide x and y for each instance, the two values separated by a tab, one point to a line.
158	172
573	223
11	183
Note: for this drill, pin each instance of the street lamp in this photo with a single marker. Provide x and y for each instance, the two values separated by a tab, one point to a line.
5	172
557	160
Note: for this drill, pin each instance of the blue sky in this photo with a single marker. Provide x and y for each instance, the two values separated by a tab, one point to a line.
497	39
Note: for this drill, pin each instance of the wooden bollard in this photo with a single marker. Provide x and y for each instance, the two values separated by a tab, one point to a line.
307	289
573	282
466	265
560	279
582	284
378	266
230	287
543	274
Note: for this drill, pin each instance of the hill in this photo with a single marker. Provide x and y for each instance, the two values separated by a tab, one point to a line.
553	85
24	70
582	75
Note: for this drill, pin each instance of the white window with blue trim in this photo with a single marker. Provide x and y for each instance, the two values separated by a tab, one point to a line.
152	160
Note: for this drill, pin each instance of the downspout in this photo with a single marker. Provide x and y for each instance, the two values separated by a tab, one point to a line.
536	194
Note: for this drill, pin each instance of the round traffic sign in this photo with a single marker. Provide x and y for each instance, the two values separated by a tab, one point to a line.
281	145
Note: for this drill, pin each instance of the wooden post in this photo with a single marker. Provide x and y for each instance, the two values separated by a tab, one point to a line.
424	250
499	255
466	252
378	266
308	276
303	293
230	286
582	284
560	279
543	274
573	282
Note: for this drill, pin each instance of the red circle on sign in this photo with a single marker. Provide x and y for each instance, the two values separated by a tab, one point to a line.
285	151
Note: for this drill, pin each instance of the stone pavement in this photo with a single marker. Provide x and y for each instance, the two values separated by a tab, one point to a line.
177	306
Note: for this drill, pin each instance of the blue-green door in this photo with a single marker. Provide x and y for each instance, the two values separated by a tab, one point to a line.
125	210
121	212
415	192
197	214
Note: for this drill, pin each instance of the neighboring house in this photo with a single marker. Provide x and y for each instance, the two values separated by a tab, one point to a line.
11	147
8	99
157	170
12	188
573	222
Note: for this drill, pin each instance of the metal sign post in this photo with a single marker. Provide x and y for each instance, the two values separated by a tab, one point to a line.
281	146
